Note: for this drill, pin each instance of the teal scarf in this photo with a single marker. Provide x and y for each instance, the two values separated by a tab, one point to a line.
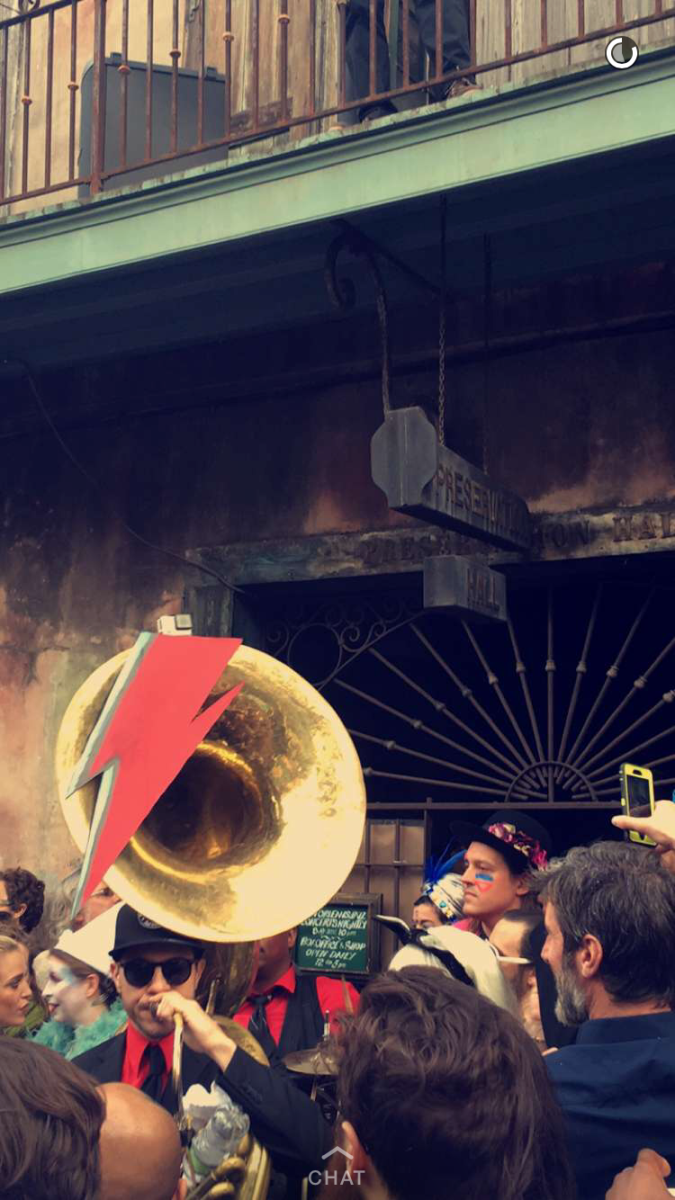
70	1041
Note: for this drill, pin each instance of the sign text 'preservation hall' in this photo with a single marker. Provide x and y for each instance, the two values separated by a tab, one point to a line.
421	477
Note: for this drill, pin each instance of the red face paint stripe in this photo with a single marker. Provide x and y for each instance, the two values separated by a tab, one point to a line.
483	881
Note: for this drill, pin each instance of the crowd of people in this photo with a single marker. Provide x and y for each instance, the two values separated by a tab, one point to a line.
520	1045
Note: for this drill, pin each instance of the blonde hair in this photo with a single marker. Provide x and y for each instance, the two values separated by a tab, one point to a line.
12	941
19	941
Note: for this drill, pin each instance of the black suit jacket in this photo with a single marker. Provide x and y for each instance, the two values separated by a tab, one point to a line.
283	1119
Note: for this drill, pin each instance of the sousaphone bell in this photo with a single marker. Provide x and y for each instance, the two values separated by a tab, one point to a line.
260	828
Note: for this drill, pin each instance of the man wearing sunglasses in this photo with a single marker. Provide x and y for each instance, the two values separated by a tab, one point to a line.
156	973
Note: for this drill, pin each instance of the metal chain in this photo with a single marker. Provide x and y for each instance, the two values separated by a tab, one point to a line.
441	330
382	314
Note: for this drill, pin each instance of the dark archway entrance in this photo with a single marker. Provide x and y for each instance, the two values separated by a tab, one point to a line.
451	719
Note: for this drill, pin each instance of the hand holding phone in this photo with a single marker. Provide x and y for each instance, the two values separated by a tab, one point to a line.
660	826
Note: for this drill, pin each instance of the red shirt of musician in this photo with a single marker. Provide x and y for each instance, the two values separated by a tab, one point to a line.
276	974
135	1072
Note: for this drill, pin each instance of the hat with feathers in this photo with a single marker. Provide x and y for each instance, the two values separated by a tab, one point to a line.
442	886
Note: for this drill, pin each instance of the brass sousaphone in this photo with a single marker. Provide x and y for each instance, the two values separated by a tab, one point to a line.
259	829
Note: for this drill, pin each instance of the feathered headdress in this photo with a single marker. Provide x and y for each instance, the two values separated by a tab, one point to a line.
443	886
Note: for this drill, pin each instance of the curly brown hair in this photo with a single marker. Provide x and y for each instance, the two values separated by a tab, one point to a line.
24	888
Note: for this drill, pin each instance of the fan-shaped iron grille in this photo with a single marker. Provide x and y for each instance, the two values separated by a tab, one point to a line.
541	710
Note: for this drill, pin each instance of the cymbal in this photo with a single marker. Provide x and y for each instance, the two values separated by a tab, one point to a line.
311	1062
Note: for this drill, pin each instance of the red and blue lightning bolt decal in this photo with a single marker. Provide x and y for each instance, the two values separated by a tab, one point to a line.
147	730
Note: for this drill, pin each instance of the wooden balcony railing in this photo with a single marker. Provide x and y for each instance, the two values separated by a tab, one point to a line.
105	93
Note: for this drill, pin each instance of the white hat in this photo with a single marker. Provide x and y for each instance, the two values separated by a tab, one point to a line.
476	956
92	943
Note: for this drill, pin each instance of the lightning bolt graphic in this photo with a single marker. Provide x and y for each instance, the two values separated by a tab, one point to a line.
147	730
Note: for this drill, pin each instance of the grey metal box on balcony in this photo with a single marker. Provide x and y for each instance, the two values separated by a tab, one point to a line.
132	167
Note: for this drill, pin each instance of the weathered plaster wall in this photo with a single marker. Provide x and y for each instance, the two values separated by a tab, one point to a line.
594	424
75	587
571	425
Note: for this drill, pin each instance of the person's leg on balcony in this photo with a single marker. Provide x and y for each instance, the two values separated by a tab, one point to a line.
456	42
357	57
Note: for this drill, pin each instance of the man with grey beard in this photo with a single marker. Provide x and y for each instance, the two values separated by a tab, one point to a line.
610	922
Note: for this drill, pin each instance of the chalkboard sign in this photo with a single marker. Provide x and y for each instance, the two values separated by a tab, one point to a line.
341	938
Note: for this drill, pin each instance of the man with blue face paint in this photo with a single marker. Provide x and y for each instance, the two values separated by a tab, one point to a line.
500	857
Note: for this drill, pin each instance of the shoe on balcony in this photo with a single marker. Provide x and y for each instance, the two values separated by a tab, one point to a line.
373	112
461	87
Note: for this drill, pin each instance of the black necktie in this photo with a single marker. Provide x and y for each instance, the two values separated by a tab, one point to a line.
259	1027
153	1084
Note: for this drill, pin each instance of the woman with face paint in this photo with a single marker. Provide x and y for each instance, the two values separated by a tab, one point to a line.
80	995
499	860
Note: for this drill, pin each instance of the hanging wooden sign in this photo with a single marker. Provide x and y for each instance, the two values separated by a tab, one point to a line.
464	587
421	477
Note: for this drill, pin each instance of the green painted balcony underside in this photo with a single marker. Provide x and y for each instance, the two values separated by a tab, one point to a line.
595	146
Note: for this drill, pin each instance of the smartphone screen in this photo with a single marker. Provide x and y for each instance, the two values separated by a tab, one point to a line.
637	795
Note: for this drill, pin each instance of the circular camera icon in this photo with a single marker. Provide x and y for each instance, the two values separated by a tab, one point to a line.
622	53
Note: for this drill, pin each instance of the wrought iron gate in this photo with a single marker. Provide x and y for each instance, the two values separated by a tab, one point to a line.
539	712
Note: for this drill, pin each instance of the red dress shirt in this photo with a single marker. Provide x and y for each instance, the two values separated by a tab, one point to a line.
133	1071
329	992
